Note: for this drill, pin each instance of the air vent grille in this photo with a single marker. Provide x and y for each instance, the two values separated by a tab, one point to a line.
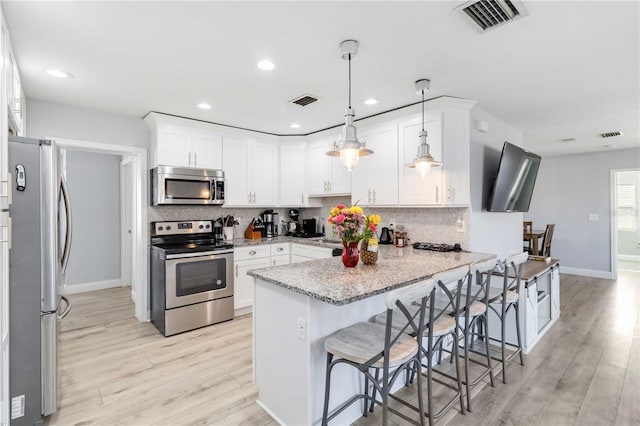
304	100
488	14
611	134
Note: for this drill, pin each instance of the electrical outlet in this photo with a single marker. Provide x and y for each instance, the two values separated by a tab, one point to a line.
17	407
301	329
460	225
593	217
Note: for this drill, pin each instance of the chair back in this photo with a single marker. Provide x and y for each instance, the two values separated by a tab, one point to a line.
450	283
480	281
513	266
546	245
527	227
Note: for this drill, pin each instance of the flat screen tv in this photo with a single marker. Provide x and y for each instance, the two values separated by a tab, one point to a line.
513	187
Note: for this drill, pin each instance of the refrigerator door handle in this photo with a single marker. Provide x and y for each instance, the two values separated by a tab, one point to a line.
67	239
67	309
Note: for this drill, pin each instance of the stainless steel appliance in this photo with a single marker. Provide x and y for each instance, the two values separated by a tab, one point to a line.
293	225
437	247
41	242
270	220
191	276
173	185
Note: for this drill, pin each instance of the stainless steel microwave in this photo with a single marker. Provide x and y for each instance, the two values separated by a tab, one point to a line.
173	185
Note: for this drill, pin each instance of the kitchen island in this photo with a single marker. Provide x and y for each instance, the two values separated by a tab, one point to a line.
297	306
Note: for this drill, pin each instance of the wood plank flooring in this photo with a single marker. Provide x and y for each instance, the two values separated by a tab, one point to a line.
115	370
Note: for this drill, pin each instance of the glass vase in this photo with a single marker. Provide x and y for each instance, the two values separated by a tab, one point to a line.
350	255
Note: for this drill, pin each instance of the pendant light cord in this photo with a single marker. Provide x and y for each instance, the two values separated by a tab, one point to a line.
423	110
349	80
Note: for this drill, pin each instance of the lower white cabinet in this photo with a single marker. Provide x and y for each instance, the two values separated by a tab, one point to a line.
302	253
247	259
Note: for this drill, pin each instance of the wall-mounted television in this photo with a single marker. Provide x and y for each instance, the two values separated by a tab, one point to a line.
516	177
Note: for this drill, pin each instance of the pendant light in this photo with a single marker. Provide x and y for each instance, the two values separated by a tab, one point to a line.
349	148
423	161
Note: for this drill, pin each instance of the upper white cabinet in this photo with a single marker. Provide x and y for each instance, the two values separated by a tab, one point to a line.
250	167
183	143
456	161
327	176
293	172
375	179
414	190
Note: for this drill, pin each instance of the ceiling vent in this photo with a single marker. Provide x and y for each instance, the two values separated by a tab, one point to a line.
610	134
488	14
304	100
568	140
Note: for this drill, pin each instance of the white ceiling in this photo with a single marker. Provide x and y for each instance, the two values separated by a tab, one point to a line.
568	69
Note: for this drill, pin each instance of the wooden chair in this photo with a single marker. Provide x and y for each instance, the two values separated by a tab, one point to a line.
546	244
527	228
367	345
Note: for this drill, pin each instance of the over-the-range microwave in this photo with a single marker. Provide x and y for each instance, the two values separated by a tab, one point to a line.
173	185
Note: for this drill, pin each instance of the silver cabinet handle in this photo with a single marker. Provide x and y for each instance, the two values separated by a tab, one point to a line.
254	198
66	310
374	196
236	271
302	198
249	198
453	194
280	249
195	159
369	196
449	193
252	252
190	163
329	186
437	195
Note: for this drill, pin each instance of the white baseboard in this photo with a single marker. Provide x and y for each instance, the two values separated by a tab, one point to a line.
585	272
629	257
269	412
92	286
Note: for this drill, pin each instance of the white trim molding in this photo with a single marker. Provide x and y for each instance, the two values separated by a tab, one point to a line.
92	286
629	257
586	272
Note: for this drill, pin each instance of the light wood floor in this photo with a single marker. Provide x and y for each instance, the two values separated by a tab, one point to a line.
115	370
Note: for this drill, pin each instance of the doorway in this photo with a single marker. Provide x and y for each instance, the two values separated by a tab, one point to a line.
625	218
133	166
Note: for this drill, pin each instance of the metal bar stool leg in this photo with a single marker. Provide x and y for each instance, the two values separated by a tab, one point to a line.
327	384
485	319
503	345
517	308
458	379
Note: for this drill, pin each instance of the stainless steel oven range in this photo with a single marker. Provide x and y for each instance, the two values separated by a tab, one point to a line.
191	276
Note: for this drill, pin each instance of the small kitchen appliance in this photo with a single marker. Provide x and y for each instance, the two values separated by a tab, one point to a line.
437	247
308	229
386	236
270	220
173	185
293	224
191	276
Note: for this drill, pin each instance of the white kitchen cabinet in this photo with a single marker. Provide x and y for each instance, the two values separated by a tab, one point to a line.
301	251
375	179
456	161
412	189
180	142
293	172
280	260
250	172
326	175
243	283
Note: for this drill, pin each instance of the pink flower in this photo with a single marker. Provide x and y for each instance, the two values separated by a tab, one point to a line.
341	206
339	218
372	227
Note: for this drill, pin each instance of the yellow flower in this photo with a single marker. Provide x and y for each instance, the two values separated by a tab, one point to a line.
334	211
356	209
375	219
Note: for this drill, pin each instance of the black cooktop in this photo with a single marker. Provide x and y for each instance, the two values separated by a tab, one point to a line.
437	247
193	246
305	235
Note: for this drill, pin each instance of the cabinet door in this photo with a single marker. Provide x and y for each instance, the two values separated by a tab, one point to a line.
293	166
375	179
414	190
319	172
279	260
174	148
243	283
340	179
206	151
531	314
262	173
456	162
235	160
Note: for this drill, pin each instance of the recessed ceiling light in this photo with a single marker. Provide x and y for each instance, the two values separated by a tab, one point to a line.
266	65
59	73
204	105
294	125
371	101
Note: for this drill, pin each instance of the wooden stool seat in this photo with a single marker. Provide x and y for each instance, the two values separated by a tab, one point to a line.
443	325
477	308
512	296
362	341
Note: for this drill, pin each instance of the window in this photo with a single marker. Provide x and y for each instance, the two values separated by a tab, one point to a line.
627	207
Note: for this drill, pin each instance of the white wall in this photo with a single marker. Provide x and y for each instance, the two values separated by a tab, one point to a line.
491	232
94	190
70	122
569	188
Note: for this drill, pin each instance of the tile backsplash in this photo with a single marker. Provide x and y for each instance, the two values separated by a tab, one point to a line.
435	225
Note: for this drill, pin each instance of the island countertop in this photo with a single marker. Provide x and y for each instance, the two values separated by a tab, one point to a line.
329	281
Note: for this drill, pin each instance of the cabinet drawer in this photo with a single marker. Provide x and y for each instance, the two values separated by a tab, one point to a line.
280	249
310	251
252	252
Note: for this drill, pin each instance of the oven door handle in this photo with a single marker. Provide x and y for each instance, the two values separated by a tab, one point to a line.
197	254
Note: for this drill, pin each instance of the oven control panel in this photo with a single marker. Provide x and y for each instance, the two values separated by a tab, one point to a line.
180	228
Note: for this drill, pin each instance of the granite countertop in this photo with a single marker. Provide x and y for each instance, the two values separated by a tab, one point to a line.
326	242
329	281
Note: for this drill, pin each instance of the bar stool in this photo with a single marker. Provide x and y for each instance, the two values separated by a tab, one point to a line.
368	345
445	318
509	298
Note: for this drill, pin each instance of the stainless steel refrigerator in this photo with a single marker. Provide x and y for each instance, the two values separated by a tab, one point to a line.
40	243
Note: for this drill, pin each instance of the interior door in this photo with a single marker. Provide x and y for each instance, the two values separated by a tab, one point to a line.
126	220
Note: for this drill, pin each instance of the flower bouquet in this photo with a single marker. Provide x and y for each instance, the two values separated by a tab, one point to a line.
351	225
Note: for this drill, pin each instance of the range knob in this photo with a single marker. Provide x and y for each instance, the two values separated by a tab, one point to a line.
207	226
160	228
200	227
168	227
